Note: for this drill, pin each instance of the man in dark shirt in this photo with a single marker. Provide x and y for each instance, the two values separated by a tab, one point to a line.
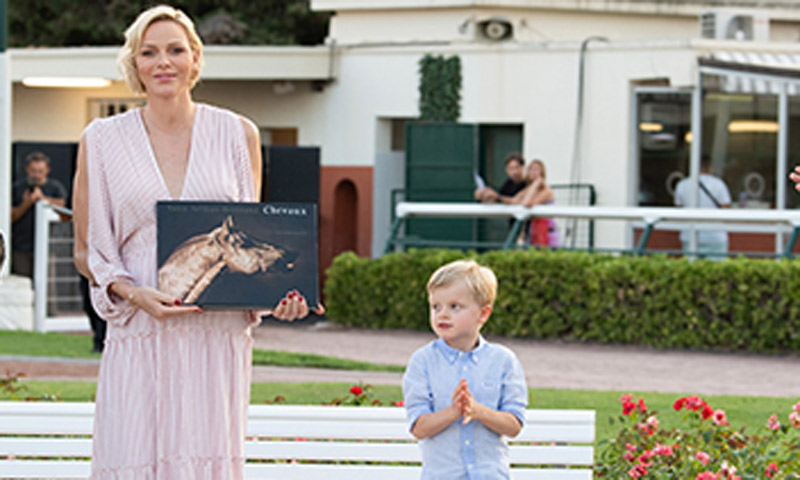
515	170
25	193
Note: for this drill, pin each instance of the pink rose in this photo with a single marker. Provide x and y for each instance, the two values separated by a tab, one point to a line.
637	471
773	423
664	450
703	457
794	419
720	418
706	476
695	403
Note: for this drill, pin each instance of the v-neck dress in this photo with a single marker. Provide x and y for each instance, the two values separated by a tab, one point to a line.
172	396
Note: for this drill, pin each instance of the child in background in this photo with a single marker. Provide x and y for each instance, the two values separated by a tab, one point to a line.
463	394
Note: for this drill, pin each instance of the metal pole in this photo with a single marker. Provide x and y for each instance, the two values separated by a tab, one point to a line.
5	139
782	160
41	259
696	152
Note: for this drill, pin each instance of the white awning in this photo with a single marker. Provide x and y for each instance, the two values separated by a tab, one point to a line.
757	72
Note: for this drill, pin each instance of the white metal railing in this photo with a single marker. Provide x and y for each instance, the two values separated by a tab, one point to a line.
750	220
42	321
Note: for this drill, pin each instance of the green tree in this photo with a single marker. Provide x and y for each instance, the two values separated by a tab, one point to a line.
56	23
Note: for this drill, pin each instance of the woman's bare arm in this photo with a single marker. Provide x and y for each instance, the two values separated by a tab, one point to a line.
254	147
80	205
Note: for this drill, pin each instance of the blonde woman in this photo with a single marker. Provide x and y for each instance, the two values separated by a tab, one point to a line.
542	231
174	381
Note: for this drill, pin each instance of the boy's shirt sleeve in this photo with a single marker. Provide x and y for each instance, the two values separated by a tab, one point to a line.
514	394
417	395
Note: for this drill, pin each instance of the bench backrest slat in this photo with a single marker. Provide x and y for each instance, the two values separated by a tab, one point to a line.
393	472
52	440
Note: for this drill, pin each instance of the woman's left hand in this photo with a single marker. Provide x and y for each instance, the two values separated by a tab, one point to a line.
293	306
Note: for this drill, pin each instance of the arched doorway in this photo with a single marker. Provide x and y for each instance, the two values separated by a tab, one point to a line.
345	217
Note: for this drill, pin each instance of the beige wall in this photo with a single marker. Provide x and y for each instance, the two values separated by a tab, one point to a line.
55	115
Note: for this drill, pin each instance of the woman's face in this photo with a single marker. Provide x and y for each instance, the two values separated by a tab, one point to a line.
534	171
165	61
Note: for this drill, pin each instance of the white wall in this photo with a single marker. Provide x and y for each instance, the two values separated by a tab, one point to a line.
532	84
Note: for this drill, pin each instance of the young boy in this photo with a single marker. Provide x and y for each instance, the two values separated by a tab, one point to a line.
462	394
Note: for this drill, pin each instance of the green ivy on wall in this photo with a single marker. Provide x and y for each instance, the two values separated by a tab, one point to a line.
440	88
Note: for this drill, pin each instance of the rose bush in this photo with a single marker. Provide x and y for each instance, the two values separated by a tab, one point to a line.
705	447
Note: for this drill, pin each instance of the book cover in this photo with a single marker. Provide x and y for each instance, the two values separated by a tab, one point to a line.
224	255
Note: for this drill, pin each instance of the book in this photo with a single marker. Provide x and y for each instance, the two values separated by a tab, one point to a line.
227	255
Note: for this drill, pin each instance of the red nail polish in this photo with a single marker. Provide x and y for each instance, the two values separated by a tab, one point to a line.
300	298
283	302
291	295
178	301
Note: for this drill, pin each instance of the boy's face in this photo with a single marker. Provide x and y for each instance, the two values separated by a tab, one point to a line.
455	315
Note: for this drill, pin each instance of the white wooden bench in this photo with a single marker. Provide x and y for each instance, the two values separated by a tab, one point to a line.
53	440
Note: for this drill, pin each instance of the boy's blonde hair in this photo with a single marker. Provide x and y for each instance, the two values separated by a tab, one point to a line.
480	280
126	59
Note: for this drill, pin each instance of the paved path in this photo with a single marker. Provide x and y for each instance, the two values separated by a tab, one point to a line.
547	364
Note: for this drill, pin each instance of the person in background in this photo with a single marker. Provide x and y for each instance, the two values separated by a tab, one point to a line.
515	170
35	187
712	193
174	381
95	321
462	394
543	231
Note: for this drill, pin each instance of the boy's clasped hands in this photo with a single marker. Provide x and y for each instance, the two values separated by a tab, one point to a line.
465	403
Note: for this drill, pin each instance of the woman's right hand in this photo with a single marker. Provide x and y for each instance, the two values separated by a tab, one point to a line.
157	304
795	177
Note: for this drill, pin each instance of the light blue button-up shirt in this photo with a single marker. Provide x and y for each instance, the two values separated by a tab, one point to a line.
495	378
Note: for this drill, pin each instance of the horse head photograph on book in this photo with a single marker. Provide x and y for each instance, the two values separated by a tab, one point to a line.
235	256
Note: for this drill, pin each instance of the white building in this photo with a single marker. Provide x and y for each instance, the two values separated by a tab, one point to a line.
520	67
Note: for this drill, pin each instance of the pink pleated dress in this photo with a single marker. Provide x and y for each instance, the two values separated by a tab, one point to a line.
172	396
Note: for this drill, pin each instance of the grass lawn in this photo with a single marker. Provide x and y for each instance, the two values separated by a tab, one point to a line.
741	410
35	344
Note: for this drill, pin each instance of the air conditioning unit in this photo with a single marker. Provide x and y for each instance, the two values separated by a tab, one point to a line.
723	24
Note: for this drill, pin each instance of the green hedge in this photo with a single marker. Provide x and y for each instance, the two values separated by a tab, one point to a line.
739	304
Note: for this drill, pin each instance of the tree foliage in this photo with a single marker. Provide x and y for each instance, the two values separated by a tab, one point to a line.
56	23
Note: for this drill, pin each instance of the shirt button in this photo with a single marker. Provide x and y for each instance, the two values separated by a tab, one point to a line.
464	367
469	467
466	442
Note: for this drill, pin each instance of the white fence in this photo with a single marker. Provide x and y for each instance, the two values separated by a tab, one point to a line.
779	222
57	302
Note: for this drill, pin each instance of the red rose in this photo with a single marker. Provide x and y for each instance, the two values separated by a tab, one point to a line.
399	403
772	469
356	390
707	412
628	407
679	404
642	406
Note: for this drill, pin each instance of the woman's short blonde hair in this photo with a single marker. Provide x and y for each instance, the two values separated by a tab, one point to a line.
126	59
480	280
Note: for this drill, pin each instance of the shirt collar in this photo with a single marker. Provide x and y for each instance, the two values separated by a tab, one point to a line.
451	354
